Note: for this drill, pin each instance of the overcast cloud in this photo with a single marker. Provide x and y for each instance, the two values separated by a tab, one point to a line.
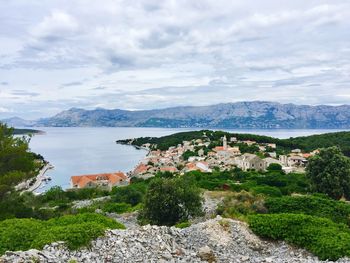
154	54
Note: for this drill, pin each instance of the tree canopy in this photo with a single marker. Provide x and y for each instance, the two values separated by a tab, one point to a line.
17	163
169	201
329	173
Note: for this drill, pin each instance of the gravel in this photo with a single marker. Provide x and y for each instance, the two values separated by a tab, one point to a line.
215	240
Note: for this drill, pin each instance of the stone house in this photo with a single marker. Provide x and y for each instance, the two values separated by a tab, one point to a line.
250	161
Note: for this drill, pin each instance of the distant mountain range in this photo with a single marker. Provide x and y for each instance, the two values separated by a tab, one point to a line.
256	114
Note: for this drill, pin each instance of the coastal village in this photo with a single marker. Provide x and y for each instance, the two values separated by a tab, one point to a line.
196	155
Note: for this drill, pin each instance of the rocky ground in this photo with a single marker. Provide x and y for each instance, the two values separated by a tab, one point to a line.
214	240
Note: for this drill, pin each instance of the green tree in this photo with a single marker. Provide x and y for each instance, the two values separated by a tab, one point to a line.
127	195
329	173
188	154
16	161
275	167
169	201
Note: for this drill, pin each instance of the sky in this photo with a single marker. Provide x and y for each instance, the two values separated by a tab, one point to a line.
145	54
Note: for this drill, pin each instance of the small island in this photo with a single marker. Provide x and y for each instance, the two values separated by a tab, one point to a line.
17	131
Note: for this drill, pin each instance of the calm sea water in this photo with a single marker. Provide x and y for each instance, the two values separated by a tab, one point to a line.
77	151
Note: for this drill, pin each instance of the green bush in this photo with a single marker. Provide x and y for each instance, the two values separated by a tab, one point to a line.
18	234
183	224
241	204
267	190
169	201
74	235
131	194
75	230
274	167
337	211
248	185
211	181
236	187
82	218
320	236
117	208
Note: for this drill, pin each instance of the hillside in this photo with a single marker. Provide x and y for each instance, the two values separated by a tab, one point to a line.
256	114
305	143
215	240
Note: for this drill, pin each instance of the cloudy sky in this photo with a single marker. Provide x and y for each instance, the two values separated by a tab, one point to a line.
55	55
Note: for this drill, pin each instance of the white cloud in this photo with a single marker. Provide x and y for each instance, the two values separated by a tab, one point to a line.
4	110
57	24
207	51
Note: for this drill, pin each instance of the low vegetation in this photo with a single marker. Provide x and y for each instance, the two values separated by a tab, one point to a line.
75	230
321	236
337	211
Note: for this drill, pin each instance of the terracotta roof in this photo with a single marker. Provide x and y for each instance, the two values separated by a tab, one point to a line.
191	166
141	168
168	169
82	180
197	166
219	148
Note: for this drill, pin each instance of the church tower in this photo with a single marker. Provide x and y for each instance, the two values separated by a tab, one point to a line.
224	142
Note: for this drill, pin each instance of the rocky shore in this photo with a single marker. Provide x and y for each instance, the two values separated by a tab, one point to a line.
215	240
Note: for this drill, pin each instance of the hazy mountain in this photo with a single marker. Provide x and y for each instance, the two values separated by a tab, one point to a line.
257	114
18	122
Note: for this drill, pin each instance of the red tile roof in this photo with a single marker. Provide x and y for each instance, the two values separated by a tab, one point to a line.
82	180
168	169
140	169
219	148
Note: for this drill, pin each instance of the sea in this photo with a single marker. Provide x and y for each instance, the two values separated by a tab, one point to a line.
80	150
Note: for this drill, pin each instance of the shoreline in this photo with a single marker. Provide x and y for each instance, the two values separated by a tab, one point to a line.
39	179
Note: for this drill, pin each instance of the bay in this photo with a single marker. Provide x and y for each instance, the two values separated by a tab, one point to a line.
77	150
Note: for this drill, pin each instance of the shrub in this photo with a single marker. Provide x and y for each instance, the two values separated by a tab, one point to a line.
132	194
211	181
116	208
274	167
337	211
241	204
18	234
82	218
76	231
74	235
267	190
236	187
320	236
127	195
169	201
183	224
